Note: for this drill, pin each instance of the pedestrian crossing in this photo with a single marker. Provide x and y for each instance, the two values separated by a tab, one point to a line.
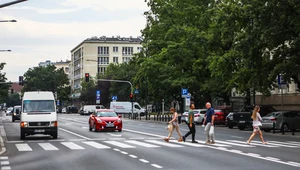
147	143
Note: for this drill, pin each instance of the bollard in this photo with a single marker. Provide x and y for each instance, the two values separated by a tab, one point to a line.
168	118
293	129
273	127
282	129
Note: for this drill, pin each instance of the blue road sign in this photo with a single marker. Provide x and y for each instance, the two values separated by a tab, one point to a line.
184	91
98	92
114	97
136	91
280	80
97	97
57	103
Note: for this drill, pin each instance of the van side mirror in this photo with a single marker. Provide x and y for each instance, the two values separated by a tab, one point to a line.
17	111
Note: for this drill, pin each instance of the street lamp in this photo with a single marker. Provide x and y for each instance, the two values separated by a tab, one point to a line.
5	50
8	20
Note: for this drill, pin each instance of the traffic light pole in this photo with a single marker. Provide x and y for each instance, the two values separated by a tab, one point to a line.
122	81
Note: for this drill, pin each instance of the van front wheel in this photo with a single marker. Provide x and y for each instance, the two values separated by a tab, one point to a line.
22	133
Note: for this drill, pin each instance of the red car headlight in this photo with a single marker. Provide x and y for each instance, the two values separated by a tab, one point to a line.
119	120
99	120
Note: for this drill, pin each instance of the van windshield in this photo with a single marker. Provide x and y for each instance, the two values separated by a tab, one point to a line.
38	106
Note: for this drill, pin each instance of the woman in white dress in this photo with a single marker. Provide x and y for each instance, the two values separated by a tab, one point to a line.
256	123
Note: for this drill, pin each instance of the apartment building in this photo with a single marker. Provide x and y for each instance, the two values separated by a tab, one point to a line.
59	64
94	54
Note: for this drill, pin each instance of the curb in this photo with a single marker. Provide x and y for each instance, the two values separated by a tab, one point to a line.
2	145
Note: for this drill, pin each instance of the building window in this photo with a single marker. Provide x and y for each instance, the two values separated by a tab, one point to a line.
127	50
103	50
139	49
103	60
101	70
115	49
126	59
116	60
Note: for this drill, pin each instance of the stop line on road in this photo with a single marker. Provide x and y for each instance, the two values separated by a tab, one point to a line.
106	144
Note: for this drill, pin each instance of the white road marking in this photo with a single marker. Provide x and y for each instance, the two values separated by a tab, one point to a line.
236	144
48	146
285	143
216	144
77	140
276	145
272	158
163	143
33	141
3	157
85	127
97	145
72	145
136	138
115	149
23	147
143	133
14	141
235	151
156	166
133	156
111	134
57	140
116	138
239	137
294	163
74	134
119	144
5	168
294	142
123	152
4	162
253	143
147	145
143	160
187	143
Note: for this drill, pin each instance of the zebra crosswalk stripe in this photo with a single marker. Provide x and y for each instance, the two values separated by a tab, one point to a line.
119	144
163	143
147	145
275	144
254	143
96	145
236	144
72	145
23	147
48	146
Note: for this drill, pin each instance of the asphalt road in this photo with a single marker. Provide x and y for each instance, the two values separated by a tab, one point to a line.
140	146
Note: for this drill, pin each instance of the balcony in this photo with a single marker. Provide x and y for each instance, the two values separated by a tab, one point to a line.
78	76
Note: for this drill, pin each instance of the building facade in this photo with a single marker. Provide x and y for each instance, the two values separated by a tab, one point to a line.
93	55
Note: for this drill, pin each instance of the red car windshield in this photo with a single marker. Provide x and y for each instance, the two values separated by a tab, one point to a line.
106	114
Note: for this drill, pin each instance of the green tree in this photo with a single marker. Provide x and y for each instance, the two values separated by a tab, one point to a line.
3	87
47	79
13	100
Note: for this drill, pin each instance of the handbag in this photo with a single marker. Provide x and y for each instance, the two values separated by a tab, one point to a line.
211	130
170	126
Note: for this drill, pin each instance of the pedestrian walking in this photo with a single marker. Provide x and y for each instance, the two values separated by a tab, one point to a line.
174	125
209	127
256	123
191	124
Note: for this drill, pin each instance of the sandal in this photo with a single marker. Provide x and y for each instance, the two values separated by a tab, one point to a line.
166	139
265	143
248	143
180	140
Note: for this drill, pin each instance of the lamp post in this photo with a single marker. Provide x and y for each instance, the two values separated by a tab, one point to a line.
5	50
11	3
8	20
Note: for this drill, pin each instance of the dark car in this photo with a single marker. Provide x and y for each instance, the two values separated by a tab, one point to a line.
72	109
243	117
15	115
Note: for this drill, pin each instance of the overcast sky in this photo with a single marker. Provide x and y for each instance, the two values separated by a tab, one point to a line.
49	29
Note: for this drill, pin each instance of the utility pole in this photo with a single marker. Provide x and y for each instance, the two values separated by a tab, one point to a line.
11	3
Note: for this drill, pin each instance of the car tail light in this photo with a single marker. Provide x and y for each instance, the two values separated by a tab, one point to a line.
196	115
273	119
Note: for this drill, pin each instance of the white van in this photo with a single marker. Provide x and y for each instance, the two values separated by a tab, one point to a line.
38	114
89	109
126	107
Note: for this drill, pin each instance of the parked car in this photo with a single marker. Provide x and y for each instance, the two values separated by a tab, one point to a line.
243	117
219	117
286	120
72	109
15	115
229	121
199	115
9	111
105	119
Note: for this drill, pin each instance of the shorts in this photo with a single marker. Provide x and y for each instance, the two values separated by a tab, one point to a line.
256	128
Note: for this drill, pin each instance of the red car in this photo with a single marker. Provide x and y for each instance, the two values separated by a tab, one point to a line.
219	117
105	119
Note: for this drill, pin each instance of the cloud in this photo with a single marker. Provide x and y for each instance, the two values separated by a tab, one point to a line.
113	5
46	11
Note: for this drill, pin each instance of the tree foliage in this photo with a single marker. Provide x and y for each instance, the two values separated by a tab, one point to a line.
47	79
3	87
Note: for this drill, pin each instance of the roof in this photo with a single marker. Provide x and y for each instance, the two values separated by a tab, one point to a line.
16	87
38	95
113	39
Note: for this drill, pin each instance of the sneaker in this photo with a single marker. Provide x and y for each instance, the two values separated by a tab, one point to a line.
183	138
213	142
207	142
194	141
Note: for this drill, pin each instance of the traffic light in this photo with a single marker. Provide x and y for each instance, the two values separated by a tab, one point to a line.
87	77
21	81
131	97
